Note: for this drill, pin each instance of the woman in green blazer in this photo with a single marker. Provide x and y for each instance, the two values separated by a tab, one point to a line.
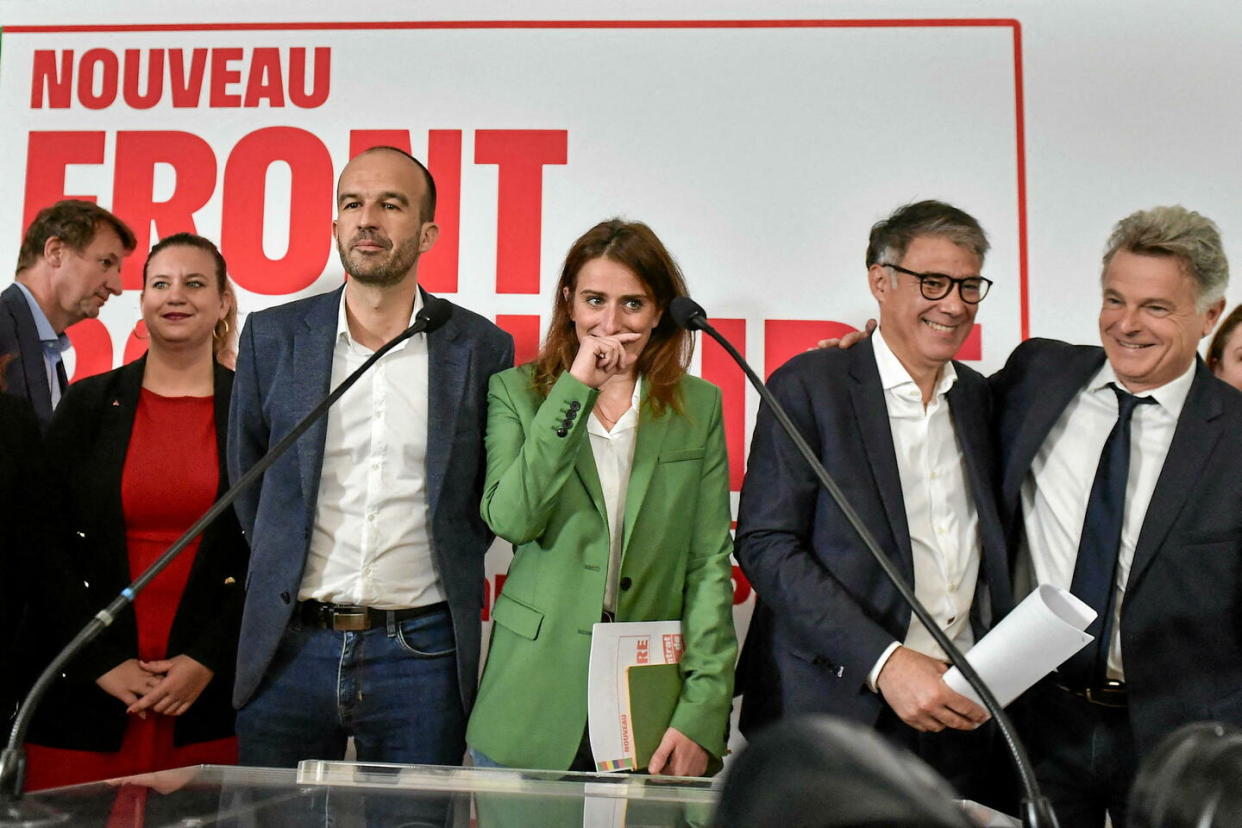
606	469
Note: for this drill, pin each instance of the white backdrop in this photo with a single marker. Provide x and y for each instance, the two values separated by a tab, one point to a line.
759	141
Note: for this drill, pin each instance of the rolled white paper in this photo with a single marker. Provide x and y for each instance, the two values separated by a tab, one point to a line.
1028	644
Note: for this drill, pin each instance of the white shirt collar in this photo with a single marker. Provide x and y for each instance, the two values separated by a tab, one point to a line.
342	321
1171	396
893	375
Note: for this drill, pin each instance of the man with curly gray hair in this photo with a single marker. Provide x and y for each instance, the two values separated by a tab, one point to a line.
1120	483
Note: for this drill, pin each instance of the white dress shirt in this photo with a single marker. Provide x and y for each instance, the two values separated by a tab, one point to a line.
614	458
1058	486
371	543
944	525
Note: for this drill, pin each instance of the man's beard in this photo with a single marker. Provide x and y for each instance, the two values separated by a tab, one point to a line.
381	272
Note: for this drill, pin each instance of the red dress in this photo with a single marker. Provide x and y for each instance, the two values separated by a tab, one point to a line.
170	478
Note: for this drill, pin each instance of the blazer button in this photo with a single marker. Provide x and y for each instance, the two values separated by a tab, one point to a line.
284	596
560	432
568	422
574	405
626	582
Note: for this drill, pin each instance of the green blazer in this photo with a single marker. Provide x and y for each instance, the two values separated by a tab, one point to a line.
542	494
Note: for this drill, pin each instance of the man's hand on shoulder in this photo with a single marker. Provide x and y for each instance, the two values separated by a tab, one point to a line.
912	685
848	341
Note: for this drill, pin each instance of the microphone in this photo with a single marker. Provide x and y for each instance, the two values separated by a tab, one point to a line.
433	314
1037	810
689	315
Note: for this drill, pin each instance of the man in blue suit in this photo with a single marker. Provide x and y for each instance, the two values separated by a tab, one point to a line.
907	432
69	265
1120	481
363	602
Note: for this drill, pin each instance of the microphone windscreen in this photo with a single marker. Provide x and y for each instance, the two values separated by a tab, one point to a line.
687	313
434	313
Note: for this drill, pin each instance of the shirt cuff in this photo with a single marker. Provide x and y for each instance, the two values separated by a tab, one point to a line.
874	675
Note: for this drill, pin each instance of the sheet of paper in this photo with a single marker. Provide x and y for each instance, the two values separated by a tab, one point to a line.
614	647
1028	644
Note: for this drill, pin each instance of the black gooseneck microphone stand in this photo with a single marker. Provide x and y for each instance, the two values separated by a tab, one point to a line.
1036	809
434	313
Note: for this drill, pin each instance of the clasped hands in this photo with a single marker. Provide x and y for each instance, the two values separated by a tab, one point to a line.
168	686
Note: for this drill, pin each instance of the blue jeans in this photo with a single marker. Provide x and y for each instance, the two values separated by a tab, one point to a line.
482	760
394	689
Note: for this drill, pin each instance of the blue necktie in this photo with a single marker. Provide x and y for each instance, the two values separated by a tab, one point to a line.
1095	571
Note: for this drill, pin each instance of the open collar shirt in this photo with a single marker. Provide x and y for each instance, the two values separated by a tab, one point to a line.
371	543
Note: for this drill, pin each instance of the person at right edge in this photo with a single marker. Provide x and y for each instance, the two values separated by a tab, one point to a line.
1120	482
906	432
606	469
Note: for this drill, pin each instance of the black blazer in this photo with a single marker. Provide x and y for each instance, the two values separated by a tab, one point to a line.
25	375
87	444
1181	622
24	511
825	610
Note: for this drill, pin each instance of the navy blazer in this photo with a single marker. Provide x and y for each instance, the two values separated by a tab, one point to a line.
26	374
284	368
825	610
87	444
1181	620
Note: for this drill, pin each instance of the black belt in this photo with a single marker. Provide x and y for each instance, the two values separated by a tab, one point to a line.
1110	694
348	618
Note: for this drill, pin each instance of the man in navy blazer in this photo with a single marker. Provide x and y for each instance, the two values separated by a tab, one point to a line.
1172	641
69	265
907	433
363	604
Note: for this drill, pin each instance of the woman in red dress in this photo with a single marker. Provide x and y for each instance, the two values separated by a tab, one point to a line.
138	454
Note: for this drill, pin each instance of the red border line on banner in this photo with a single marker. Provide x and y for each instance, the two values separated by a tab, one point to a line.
1014	25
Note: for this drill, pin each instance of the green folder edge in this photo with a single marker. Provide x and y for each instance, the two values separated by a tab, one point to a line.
654	691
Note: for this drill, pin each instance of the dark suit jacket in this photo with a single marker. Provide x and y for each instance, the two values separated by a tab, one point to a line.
87	444
825	610
24	516
25	375
1181	621
284	368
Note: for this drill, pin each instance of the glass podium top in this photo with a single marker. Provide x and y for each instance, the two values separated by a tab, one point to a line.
343	794
346	794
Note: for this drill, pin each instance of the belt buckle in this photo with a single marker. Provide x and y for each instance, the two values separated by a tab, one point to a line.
350	619
1107	696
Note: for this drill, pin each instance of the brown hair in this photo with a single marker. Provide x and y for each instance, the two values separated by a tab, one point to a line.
667	356
1216	350
74	222
221	336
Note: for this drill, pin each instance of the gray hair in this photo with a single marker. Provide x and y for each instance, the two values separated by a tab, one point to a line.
1191	238
891	236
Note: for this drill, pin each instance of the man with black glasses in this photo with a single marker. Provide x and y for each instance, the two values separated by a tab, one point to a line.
907	431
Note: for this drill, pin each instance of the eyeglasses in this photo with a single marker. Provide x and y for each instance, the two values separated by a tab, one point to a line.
934	286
